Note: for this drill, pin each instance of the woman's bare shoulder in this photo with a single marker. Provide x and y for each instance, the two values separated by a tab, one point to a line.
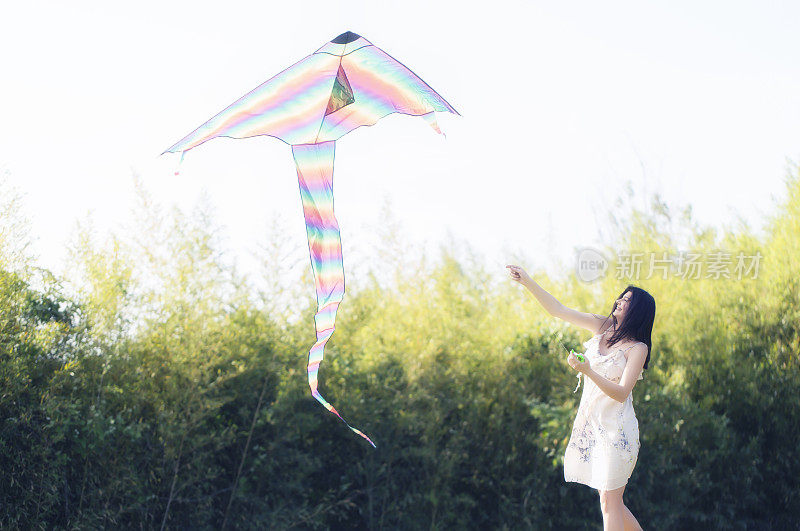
634	346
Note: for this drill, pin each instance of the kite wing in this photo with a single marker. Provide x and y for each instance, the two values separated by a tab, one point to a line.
345	84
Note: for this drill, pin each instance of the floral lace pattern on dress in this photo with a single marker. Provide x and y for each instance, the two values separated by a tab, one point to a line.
604	444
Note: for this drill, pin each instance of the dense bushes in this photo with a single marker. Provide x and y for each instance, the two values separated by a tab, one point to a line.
131	401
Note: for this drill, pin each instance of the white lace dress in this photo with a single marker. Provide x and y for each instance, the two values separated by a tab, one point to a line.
604	444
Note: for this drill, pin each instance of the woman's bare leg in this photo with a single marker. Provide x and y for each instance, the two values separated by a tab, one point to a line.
613	509
616	516
631	524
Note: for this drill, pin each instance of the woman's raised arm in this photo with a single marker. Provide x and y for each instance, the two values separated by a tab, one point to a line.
592	322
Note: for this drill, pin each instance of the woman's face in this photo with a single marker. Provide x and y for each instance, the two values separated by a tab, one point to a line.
621	306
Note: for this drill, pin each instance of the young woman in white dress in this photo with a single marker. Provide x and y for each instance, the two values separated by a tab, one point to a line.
604	444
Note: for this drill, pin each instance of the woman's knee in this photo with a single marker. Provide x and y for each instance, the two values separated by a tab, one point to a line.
610	500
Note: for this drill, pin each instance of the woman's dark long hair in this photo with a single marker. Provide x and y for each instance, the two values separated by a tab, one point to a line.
639	317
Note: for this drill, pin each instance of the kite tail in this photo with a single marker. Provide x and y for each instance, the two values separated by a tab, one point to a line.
430	118
315	175
180	162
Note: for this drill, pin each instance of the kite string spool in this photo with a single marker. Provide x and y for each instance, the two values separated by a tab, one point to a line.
580	357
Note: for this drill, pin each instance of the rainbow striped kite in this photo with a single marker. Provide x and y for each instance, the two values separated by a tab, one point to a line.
347	83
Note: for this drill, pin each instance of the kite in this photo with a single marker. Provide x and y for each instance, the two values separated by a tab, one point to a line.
346	84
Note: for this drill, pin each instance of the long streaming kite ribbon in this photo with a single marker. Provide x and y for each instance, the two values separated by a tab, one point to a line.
315	176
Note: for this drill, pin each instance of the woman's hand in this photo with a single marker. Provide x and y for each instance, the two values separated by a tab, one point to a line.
583	367
518	274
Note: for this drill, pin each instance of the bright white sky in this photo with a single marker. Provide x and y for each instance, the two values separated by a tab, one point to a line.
562	103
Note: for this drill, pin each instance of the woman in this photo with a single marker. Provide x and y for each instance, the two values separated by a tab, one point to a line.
604	444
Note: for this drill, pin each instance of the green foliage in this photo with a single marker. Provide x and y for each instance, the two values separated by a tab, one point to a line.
134	389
